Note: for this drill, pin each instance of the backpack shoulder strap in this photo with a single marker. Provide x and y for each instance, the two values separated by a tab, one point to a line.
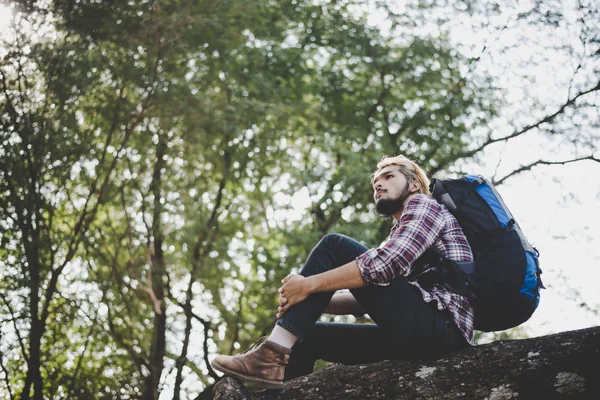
440	193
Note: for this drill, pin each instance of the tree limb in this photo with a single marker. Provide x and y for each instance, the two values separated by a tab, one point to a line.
541	162
188	364
548	118
80	360
150	291
5	371
137	360
558	366
17	331
207	326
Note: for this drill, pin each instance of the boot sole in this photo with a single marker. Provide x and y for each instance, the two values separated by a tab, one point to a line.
261	382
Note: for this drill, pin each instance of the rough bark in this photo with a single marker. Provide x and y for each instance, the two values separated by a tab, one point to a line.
560	366
156	288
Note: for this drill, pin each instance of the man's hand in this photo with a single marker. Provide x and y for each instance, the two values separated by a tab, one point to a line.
282	303
294	289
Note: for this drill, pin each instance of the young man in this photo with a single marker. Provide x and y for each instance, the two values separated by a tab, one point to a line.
411	319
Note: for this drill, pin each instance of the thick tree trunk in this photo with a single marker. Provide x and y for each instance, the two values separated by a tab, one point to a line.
156	361
156	281
33	365
34	375
559	366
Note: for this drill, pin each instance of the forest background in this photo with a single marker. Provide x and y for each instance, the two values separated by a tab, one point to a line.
163	164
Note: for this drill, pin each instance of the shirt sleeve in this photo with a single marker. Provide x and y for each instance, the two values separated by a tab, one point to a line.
419	226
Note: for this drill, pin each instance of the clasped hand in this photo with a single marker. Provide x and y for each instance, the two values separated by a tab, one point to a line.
293	290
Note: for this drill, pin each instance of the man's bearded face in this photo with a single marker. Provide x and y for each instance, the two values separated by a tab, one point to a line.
388	206
390	190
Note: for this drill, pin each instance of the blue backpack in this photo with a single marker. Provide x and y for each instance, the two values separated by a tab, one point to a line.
503	283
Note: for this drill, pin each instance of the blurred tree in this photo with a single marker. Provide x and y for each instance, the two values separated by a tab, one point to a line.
156	159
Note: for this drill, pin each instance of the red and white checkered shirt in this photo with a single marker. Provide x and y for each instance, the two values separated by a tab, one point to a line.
424	223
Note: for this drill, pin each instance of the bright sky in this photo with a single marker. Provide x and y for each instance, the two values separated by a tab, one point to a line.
5	17
557	207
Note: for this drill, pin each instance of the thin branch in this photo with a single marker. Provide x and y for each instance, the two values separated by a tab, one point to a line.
77	237
150	291
80	361
238	323
207	326
573	79
86	218
488	44
135	290
181	360
541	162
14	320
546	119
213	219
9	106
188	364
22	78
137	360
117	274
384	92
6	378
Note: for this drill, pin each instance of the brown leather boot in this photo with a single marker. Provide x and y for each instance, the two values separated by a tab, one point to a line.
262	364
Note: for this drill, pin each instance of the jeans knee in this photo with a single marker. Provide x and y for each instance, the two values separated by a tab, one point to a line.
331	240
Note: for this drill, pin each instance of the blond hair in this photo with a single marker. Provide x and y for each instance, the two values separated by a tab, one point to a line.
409	169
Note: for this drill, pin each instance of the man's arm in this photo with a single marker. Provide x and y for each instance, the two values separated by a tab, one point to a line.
417	229
296	288
347	276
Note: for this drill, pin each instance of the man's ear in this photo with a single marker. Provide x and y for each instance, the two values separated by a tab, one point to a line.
415	186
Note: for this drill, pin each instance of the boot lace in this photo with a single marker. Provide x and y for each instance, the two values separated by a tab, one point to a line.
256	344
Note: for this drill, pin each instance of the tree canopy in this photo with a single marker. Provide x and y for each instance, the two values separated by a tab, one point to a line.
164	164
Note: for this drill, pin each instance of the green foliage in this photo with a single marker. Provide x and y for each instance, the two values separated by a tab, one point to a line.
193	152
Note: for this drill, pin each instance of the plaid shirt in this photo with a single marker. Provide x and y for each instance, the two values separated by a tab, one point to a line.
424	223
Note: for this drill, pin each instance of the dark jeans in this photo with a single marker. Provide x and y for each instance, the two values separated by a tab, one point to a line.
405	325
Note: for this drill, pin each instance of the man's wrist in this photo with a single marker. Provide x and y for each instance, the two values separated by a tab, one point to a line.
312	284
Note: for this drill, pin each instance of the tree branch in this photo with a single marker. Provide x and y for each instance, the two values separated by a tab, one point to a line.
137	360
156	302
18	333
6	375
541	162
207	327
546	119
86	218
80	360
188	364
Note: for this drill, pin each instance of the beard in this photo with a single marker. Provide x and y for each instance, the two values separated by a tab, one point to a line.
389	207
